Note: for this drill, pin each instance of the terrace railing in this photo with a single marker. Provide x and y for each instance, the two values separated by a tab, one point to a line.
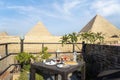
9	50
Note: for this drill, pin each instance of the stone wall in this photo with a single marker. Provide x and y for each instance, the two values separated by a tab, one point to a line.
102	49
101	57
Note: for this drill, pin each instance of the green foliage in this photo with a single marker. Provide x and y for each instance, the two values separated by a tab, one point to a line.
43	55
64	39
25	76
24	58
69	38
26	67
38	77
91	37
73	37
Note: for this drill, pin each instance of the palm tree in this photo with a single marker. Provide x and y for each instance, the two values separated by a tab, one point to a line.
70	38
91	37
84	36
100	36
64	39
73	37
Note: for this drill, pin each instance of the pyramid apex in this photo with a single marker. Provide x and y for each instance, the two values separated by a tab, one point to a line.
39	22
97	15
39	30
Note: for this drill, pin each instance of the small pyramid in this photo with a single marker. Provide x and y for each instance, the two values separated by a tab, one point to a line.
3	34
100	24
38	30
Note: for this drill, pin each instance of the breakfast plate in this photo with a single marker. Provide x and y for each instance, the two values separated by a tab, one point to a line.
63	66
50	63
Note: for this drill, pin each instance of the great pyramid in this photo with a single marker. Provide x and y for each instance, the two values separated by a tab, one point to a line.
38	30
100	24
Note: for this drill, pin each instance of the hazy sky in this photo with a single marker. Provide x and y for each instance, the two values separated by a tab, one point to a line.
17	17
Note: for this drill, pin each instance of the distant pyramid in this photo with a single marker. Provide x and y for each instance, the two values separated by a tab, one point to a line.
38	30
3	34
100	24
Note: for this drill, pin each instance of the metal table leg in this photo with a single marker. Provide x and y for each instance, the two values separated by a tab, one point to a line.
56	76
32	74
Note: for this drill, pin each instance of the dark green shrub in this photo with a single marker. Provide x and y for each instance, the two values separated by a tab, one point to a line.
24	75
26	67
24	58
38	77
44	55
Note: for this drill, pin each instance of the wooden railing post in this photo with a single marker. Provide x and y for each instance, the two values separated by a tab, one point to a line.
83	50
42	46
6	49
22	44
73	47
84	58
83	47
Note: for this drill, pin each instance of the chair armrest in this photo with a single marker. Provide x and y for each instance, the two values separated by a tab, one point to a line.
108	72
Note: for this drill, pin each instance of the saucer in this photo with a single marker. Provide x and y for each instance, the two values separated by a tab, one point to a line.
50	63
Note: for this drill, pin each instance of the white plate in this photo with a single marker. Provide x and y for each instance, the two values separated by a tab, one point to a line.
63	66
50	63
